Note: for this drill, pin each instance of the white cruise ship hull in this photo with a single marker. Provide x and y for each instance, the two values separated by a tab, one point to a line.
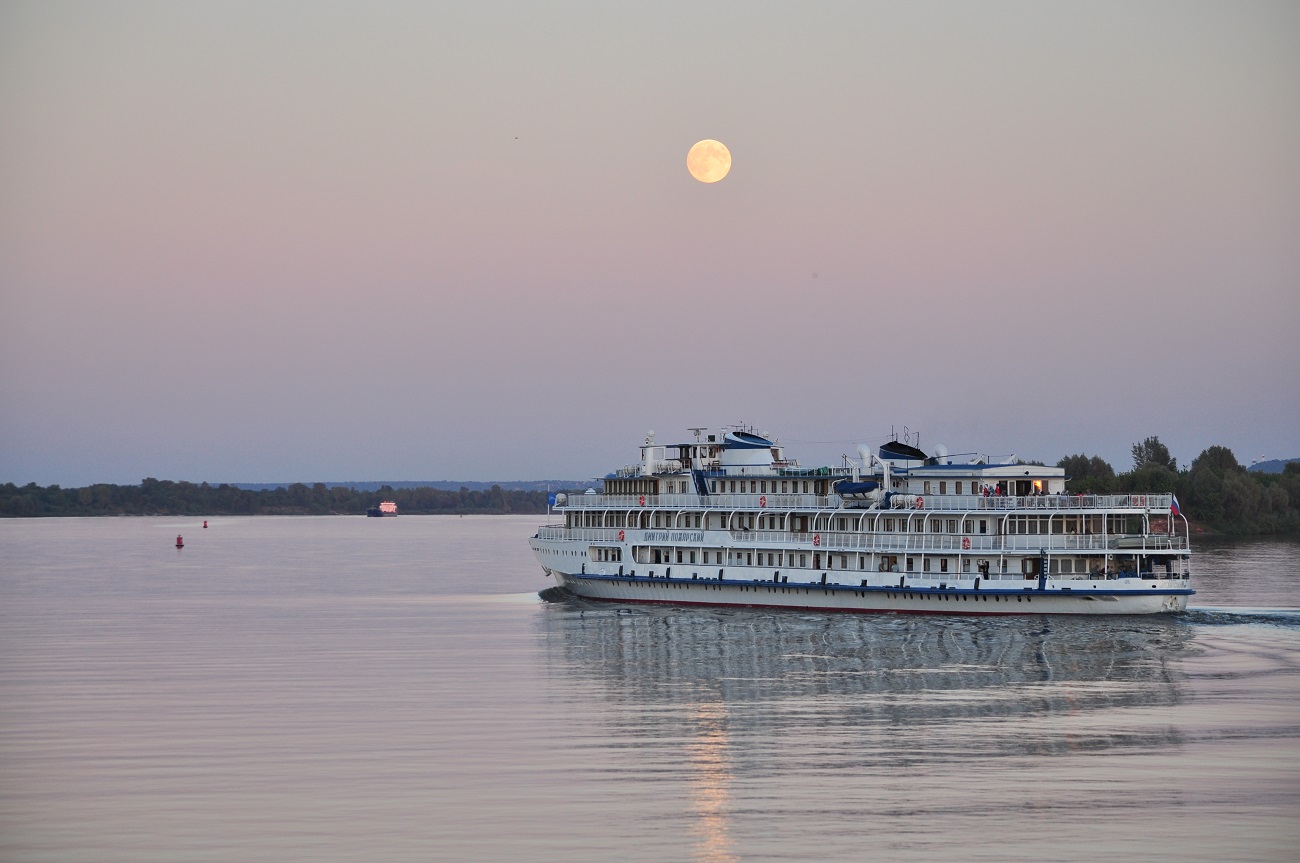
915	596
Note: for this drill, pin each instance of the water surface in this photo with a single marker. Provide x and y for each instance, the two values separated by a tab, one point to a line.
341	688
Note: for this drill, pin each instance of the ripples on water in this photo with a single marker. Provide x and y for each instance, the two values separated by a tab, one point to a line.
341	689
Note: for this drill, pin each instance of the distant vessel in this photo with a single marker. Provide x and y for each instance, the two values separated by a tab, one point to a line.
729	520
385	508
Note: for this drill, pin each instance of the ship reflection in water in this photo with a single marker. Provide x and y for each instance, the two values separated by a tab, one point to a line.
748	709
903	684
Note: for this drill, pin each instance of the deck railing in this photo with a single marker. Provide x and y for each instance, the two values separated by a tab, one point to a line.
1153	503
895	542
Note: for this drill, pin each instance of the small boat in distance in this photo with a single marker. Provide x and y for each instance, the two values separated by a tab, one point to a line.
385	508
728	519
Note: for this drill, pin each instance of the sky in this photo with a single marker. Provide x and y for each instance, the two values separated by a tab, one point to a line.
315	241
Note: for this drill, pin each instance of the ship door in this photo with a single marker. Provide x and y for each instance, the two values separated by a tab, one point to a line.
817	560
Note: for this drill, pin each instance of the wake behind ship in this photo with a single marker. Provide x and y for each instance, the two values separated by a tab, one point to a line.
727	519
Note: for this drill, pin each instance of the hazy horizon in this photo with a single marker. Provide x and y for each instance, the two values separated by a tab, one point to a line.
241	241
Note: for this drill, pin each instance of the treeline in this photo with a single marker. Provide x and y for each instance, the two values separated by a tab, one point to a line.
163	497
1216	493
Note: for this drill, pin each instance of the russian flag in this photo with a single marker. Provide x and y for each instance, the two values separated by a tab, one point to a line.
1173	506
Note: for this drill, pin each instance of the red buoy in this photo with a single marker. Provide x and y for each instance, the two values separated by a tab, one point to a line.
180	543
205	523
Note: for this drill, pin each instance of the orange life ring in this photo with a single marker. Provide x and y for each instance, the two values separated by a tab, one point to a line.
817	539
620	536
920	503
965	542
641	502
762	501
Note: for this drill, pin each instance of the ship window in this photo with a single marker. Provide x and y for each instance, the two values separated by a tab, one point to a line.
927	486
936	526
731	487
909	564
943	564
965	564
763	486
785	486
753	486
889	524
713	486
984	527
952	525
844	562
697	519
805	486
925	564
803	560
943	487
862	561
1004	564
958	486
749	558
679	555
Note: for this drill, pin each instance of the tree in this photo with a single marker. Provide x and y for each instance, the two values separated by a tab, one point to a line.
1218	459
1087	473
1152	452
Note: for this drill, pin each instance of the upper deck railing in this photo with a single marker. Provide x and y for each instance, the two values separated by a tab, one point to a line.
835	542
939	503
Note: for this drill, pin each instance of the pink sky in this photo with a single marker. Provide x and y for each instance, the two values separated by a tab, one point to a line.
252	242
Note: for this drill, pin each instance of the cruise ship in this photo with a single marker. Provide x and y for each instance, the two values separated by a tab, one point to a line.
727	519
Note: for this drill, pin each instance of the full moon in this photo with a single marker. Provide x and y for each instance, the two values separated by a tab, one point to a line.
708	161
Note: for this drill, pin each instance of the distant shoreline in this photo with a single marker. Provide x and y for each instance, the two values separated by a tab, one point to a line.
165	498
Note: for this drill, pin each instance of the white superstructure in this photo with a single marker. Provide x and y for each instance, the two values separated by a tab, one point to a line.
727	519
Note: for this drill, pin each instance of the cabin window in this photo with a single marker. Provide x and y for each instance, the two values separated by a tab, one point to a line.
909	564
763	486
958	486
889	524
936	526
805	486
984	527
679	555
749	558
803	560
862	561
943	487
925	564
785	486
943	564
844	562
965	564
952	525
713	486
927	487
